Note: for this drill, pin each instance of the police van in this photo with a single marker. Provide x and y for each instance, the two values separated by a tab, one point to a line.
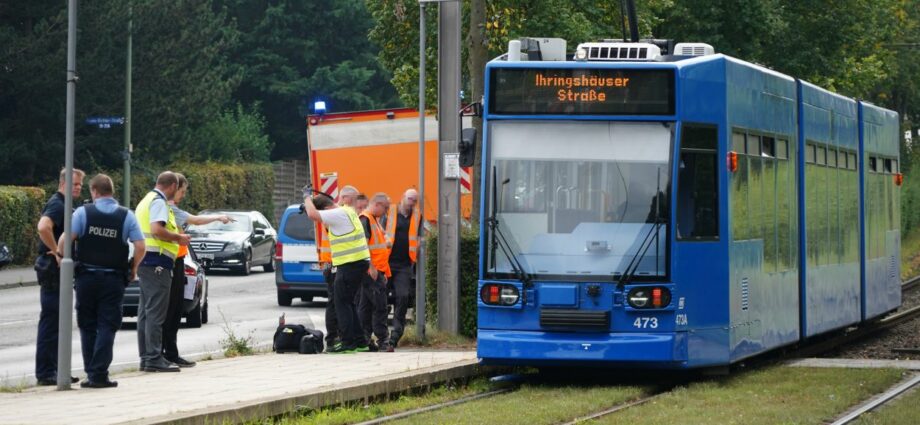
298	272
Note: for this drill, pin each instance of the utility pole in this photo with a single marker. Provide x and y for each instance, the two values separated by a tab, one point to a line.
128	71
65	320
420	263
449	16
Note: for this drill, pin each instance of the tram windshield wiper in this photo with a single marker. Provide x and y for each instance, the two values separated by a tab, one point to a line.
647	241
499	241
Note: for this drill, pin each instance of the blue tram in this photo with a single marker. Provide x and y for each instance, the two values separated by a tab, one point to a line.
676	210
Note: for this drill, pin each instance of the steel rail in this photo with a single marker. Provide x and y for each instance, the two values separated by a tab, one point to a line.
438	406
879	401
616	408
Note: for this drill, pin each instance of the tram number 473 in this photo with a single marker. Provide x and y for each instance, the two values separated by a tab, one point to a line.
646	322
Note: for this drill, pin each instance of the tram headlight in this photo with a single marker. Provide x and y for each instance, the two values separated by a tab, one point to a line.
501	295
581	54
649	297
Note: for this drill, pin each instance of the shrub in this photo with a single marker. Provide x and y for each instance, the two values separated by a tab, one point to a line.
20	208
226	186
469	279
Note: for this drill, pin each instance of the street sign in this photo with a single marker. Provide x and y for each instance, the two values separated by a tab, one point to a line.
452	166
105	122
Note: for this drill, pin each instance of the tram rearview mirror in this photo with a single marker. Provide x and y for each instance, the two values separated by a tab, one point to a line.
467	147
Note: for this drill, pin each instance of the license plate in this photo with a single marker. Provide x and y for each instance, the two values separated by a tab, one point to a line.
315	266
206	256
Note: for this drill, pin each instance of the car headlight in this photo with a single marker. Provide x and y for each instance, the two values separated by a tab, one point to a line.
233	246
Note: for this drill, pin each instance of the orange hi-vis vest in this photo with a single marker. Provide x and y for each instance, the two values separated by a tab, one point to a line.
414	222
377	244
183	250
322	245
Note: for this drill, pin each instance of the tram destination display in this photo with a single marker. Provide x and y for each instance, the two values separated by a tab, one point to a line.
554	91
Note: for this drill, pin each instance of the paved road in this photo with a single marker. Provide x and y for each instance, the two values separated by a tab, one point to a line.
248	304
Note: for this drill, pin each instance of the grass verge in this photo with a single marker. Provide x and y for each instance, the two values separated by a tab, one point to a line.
358	412
905	410
776	395
910	255
533	404
235	345
436	339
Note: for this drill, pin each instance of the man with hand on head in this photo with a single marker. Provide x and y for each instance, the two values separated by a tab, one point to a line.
350	257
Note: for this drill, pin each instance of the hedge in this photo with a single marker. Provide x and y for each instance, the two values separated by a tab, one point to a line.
469	279
20	208
211	186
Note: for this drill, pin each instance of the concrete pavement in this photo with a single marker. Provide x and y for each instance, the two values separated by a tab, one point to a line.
238	389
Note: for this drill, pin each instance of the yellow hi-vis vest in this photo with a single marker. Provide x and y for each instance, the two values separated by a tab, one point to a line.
351	246
167	248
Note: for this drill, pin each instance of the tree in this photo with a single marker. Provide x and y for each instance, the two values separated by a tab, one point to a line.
293	52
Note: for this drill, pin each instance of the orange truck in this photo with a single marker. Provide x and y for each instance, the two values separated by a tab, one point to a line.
377	151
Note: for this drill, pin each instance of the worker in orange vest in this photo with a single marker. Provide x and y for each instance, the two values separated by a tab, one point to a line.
372	308
403	233
177	288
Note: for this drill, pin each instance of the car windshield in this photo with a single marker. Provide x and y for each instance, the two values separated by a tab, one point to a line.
242	224
577	199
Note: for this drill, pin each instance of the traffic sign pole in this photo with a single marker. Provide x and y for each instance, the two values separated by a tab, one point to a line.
65	320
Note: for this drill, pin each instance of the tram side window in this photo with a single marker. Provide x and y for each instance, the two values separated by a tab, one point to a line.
697	185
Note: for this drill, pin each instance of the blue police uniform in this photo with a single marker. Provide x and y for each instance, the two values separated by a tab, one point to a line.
103	230
48	274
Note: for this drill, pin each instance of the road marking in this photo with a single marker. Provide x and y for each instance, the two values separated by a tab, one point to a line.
18	322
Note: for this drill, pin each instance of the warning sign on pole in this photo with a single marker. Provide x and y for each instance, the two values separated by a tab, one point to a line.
329	184
466	180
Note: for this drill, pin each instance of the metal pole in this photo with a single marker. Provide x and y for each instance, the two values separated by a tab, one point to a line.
128	71
448	186
420	265
65	321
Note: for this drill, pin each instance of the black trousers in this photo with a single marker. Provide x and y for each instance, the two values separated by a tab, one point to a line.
99	297
174	311
402	287
373	308
332	324
46	346
348	279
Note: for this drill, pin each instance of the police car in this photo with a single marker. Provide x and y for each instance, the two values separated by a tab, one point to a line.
298	273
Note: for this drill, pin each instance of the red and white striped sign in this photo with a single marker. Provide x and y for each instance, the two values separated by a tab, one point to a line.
466	180
329	184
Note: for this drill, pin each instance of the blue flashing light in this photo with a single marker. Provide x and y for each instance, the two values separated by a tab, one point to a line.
319	107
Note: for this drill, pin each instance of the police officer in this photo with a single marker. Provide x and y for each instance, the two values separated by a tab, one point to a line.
47	268
102	230
177	286
403	231
162	238
350	257
50	229
372	308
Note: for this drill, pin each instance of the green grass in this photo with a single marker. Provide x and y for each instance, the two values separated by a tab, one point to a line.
905	410
910	254
533	404
353	413
777	395
434	338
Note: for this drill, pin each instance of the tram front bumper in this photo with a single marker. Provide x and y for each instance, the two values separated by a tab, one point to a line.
503	347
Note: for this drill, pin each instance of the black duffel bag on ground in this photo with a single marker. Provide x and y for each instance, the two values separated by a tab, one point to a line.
287	338
312	342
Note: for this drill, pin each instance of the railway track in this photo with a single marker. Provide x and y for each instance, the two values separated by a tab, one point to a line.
881	400
811	349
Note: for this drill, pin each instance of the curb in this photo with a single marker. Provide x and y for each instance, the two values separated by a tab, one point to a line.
266	408
17	285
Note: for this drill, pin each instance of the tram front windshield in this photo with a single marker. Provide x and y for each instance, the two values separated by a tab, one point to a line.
576	200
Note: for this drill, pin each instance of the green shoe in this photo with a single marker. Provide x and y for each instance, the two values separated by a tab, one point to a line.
340	349
362	349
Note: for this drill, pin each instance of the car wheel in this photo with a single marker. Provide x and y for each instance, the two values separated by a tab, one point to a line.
247	264
204	313
193	319
270	265
284	300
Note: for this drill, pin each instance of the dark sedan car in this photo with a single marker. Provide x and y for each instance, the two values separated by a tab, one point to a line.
240	245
